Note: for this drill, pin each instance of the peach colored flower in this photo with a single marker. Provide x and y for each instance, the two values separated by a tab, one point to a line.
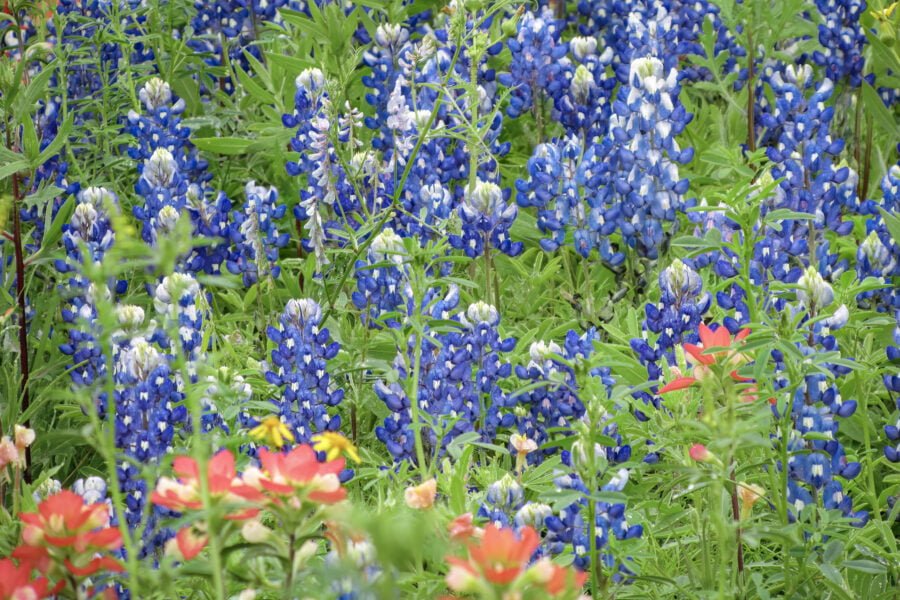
421	496
750	494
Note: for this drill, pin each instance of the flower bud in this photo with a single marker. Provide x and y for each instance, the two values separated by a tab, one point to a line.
255	532
310	80
813	291
533	514
505	493
581	84
699	453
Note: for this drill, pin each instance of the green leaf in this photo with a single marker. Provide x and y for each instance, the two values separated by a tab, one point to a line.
228	146
62	136
251	87
54	232
865	566
880	114
891	220
10	169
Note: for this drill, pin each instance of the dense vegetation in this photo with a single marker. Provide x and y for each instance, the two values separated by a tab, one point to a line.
391	299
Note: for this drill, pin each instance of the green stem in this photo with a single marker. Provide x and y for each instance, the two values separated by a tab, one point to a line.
289	577
413	391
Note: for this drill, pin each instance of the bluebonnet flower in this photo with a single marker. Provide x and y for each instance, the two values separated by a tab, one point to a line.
232	28
816	455
178	300
149	415
391	48
459	378
877	254
568	530
536	67
503	500
843	40
328	184
174	179
92	489
674	319
645	191
486	219
673	27
814	463
47	488
406	81
87	237
381	279
801	148
306	395
892	384
354	583
586	103
563	179
53	172
256	237
796	134
557	404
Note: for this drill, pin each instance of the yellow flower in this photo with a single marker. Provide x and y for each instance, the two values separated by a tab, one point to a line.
887	13
334	444
273	432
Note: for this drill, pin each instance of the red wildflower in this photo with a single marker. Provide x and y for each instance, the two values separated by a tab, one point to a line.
64	521
558	579
462	528
16	582
189	541
500	556
67	531
300	471
715	346
223	483
95	565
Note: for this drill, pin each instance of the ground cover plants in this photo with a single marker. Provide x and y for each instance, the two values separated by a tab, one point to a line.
468	299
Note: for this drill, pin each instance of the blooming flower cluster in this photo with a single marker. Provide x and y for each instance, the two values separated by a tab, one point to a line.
67	540
675	319
569	529
535	70
306	395
645	190
174	179
87	238
381	279
817	455
563	183
556	404
843	40
327	183
225	29
486	218
256	237
878	254
458	390
499	559
292	481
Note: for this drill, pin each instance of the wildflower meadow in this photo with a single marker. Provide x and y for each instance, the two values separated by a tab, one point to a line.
433	299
